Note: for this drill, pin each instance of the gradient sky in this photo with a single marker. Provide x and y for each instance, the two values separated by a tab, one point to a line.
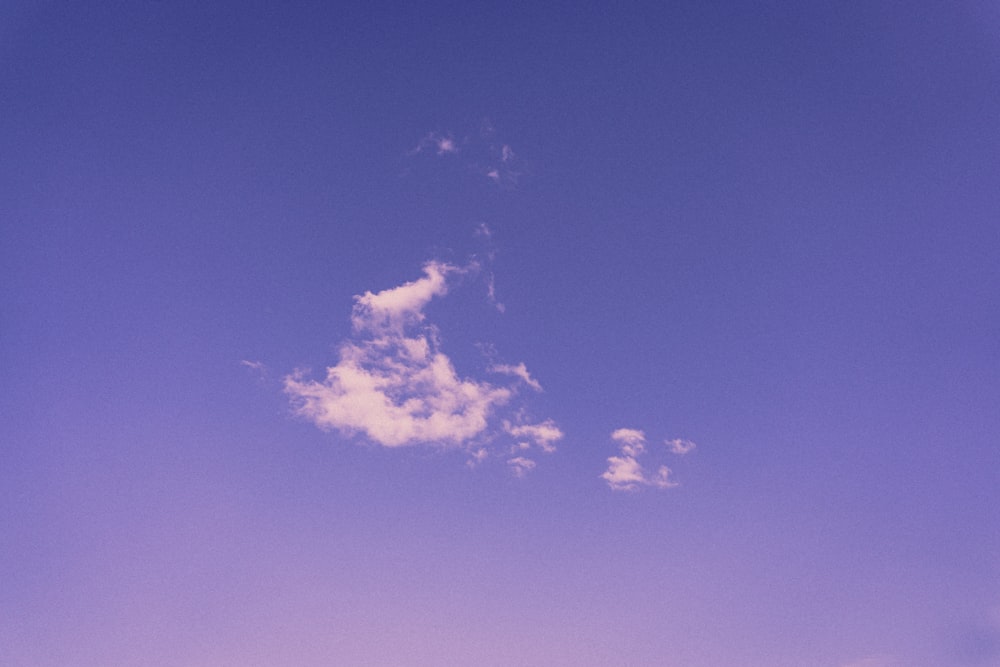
748	255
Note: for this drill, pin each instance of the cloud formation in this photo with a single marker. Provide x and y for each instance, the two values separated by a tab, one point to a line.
625	473
393	386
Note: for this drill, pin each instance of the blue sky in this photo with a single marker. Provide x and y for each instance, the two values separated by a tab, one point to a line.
747	256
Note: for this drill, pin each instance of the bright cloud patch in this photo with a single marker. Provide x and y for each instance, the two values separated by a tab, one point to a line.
625	473
631	441
544	435
393	386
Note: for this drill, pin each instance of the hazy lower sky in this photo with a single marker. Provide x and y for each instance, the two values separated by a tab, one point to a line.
500	334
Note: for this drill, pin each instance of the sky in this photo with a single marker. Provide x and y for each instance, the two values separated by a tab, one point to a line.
500	334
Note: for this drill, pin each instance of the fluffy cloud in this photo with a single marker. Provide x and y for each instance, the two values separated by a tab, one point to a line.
389	311
394	386
625	473
632	441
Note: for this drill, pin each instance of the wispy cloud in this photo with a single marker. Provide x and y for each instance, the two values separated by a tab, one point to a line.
520	465
625	473
393	386
480	152
254	365
518	371
259	368
441	144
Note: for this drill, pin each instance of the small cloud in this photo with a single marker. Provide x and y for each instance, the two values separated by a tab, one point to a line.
662	479
543	434
258	368
632	441
624	472
518	371
479	152
521	466
446	145
679	446
442	144
477	456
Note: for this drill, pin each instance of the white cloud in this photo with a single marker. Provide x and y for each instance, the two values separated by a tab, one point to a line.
518	371
392	309
521	466
679	446
632	441
395	387
624	472
543	434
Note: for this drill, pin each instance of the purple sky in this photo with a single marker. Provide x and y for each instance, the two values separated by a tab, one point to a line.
500	334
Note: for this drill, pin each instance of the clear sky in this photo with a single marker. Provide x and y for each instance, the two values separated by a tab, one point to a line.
500	334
